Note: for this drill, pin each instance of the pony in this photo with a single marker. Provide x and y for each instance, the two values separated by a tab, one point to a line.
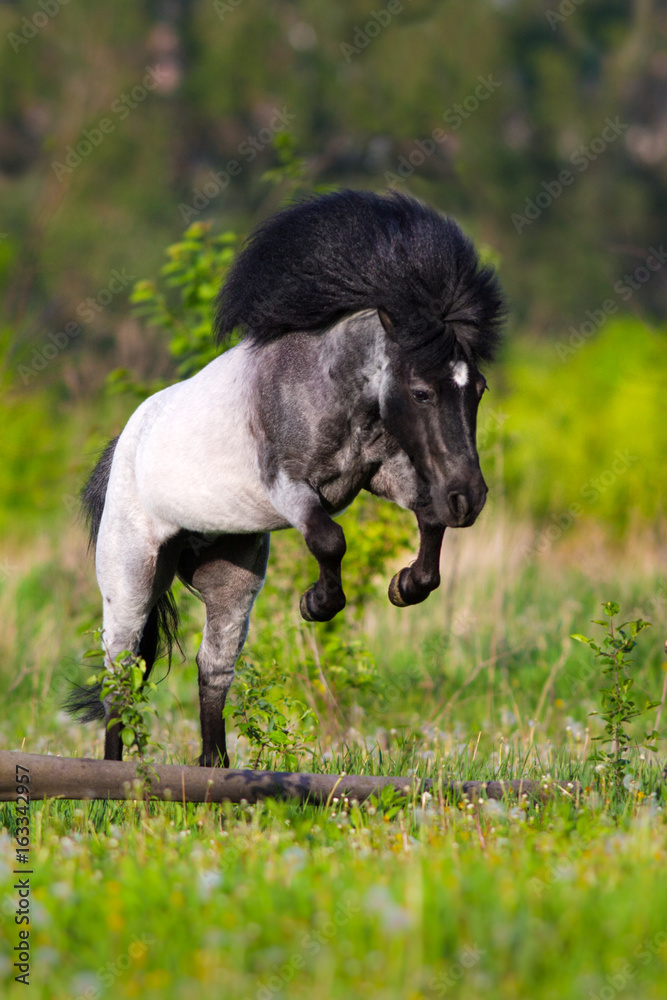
364	321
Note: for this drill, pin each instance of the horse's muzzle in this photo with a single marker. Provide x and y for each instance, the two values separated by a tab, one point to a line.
459	505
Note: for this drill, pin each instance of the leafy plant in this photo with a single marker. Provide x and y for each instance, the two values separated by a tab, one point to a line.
196	266
618	707
272	720
291	169
124	682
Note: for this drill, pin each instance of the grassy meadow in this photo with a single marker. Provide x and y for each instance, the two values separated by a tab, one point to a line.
413	899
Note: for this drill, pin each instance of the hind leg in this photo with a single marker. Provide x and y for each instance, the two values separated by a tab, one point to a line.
228	573
131	578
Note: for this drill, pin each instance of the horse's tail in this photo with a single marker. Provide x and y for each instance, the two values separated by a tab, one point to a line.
161	627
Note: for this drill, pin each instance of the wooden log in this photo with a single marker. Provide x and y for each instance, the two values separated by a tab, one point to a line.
86	778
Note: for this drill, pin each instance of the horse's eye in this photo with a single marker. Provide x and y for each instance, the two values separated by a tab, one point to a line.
420	395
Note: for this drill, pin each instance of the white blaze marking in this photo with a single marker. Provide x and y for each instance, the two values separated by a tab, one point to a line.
460	373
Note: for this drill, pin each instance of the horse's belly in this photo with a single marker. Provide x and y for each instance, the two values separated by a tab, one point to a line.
217	501
193	486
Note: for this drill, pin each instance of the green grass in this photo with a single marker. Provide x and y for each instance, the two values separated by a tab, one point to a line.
280	900
423	899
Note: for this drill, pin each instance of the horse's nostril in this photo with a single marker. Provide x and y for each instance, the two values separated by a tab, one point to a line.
458	504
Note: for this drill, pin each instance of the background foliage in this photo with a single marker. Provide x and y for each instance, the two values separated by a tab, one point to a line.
222	75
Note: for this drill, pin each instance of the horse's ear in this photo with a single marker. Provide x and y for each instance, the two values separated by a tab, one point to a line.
386	321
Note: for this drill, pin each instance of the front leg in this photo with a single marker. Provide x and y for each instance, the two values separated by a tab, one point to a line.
413	584
325	539
396	480
300	504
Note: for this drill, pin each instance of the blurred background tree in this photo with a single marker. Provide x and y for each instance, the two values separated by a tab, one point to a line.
359	88
120	127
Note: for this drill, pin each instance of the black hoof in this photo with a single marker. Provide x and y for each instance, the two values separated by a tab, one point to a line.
395	595
314	611
403	591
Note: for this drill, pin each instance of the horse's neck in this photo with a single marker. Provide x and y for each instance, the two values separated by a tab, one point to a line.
321	388
355	350
335	362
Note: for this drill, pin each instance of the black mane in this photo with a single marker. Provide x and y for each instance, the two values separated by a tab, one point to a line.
332	255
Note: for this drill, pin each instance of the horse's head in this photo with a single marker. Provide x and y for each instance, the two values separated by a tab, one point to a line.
432	413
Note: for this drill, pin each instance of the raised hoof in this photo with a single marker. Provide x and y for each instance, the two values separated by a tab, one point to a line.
404	591
310	614
395	591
